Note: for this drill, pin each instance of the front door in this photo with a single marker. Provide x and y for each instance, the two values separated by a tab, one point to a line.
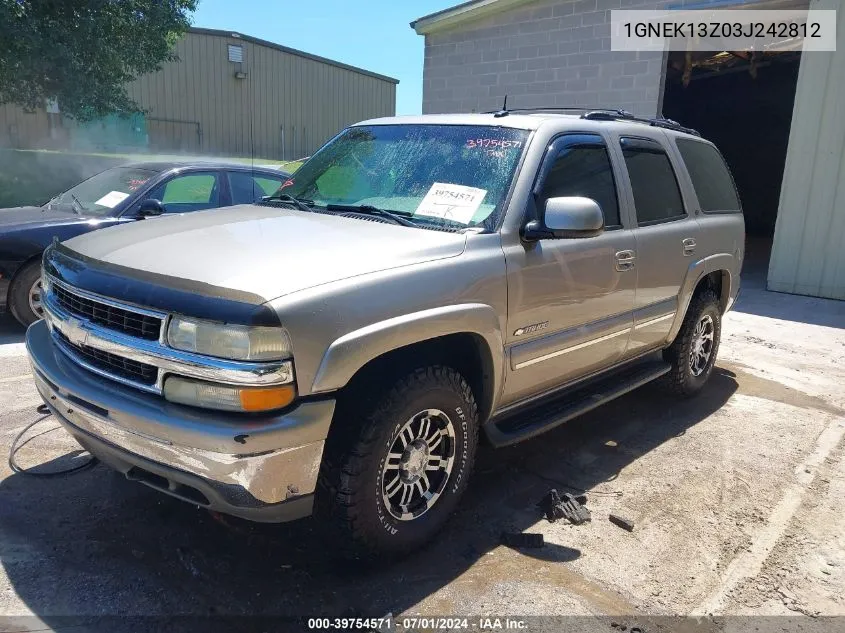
570	300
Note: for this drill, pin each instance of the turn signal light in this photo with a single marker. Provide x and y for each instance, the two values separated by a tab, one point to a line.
209	395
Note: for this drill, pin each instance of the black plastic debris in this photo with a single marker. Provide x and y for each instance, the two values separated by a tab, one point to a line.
522	539
622	522
566	506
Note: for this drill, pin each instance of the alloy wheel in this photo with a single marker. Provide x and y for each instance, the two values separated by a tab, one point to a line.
418	464
702	345
35	298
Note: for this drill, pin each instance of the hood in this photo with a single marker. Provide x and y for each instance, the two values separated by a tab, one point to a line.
20	217
267	251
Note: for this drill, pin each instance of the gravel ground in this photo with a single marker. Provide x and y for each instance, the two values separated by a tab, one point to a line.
737	499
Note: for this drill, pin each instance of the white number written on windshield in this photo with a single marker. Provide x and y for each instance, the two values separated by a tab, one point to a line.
492	143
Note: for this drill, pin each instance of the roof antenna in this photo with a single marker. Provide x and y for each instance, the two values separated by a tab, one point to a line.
504	110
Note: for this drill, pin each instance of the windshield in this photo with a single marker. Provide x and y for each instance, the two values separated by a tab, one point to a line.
101	193
438	175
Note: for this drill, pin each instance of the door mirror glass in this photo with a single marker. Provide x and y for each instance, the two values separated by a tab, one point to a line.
567	217
149	207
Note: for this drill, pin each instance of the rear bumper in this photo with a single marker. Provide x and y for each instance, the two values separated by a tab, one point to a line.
259	468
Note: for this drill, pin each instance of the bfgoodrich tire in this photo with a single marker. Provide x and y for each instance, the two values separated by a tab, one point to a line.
25	294
693	353
393	472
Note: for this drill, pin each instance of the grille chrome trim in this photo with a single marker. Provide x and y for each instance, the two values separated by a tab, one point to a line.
80	331
80	360
112	363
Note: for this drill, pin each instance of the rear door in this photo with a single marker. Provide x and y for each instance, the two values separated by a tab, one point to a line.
666	237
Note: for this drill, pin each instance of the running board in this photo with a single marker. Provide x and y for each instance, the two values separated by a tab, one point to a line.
533	420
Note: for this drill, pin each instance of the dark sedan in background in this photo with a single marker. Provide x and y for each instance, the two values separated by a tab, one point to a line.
121	194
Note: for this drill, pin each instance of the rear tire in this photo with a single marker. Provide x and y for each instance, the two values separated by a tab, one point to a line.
394	471
25	294
693	353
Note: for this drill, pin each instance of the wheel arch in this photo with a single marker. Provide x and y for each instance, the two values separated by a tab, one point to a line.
712	272
466	337
14	276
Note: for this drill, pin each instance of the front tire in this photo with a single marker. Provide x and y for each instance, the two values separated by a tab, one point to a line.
693	353
393	472
25	294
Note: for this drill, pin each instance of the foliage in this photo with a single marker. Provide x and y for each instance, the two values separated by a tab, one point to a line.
84	52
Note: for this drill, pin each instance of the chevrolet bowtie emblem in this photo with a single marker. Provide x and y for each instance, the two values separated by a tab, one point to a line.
75	333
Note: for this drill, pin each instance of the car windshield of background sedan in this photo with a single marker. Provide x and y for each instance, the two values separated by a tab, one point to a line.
451	176
101	193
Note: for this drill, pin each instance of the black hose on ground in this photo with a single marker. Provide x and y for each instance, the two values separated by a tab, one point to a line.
17	445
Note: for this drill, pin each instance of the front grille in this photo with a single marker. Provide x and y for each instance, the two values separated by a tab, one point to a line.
111	363
114	318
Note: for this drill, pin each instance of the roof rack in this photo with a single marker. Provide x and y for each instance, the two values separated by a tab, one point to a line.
506	110
624	115
602	114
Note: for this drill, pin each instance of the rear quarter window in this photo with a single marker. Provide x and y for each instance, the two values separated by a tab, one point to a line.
710	177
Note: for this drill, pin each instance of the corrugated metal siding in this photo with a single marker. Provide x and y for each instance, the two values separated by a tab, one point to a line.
286	107
807	255
18	127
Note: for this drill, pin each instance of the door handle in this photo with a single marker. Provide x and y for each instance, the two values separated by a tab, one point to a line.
625	260
689	246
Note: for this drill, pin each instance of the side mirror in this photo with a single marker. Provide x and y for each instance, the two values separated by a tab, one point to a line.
568	217
150	207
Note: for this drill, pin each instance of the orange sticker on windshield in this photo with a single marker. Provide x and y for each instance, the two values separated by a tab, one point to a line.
286	183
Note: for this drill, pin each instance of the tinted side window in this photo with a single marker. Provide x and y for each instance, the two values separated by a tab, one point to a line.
191	192
247	188
656	194
710	176
584	170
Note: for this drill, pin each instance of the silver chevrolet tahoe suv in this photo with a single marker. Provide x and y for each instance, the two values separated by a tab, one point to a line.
417	286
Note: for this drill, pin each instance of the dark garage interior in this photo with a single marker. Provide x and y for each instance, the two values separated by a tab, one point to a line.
743	103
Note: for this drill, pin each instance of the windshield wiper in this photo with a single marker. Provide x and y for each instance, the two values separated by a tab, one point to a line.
77	205
300	203
368	209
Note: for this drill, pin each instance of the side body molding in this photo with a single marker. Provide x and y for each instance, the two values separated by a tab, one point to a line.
719	261
350	352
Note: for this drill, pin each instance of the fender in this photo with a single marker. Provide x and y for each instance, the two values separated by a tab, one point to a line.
726	262
349	353
697	270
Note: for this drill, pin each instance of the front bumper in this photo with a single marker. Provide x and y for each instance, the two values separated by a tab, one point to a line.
260	468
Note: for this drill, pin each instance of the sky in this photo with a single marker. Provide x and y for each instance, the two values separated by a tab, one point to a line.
371	34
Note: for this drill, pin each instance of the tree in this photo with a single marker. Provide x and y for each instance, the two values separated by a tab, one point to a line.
84	52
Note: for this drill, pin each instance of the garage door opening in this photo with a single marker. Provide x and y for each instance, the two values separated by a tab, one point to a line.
743	103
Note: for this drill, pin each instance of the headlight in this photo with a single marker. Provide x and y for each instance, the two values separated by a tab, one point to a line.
236	342
227	397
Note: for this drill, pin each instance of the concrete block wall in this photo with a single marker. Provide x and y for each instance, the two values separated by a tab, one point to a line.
540	54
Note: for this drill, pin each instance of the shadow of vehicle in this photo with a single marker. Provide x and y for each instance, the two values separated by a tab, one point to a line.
95	543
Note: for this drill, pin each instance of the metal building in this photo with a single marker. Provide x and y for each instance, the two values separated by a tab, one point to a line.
776	116
229	94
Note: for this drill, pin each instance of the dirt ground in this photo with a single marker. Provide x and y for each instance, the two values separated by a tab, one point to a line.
737	498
